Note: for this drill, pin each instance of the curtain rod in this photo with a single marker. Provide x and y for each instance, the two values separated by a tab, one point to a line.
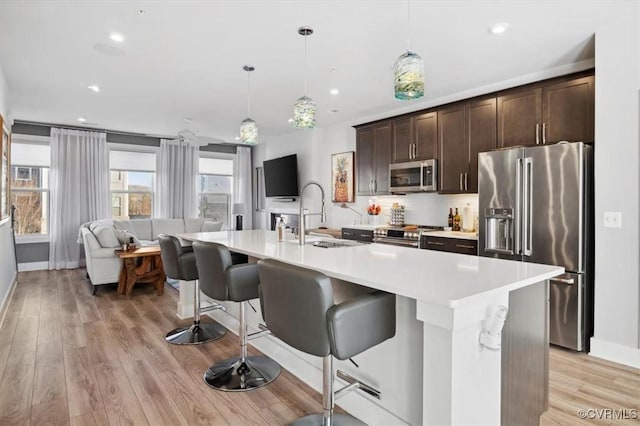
94	129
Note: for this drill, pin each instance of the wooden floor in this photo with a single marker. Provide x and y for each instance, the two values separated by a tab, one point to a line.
67	357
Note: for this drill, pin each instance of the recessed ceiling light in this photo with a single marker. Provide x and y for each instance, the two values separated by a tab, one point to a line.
117	37
334	91
94	87
499	28
237	138
290	121
82	119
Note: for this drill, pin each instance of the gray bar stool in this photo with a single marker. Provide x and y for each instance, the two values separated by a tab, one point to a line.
299	310
179	263
221	280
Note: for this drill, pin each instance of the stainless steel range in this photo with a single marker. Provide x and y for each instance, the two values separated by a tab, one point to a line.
406	236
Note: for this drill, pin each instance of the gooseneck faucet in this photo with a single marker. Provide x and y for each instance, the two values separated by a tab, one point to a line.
304	212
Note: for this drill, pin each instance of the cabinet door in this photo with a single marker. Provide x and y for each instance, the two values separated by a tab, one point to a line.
426	135
381	157
364	160
402	140
520	118
482	134
568	111
452	149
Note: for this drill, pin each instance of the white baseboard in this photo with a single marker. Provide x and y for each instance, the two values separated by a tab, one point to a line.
7	298
309	369
33	266
615	352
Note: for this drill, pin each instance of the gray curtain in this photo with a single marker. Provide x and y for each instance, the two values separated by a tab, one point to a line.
177	170
79	188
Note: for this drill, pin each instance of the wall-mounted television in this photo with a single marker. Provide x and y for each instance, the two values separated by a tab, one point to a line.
281	176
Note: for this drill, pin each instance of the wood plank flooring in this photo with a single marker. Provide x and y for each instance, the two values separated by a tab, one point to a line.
69	358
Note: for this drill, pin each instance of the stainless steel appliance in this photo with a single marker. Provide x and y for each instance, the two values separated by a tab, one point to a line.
401	236
536	205
414	176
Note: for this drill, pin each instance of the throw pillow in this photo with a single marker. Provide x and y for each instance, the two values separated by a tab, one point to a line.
209	226
124	237
106	236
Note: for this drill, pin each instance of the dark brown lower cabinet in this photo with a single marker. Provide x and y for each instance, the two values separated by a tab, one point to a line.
451	245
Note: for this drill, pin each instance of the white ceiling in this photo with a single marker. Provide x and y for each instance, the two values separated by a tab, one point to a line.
184	59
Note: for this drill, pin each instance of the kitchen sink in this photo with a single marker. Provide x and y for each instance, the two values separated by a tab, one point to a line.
334	244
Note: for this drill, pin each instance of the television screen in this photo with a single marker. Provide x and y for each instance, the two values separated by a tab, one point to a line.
281	176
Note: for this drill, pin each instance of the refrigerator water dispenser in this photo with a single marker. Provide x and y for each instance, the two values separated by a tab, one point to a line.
499	234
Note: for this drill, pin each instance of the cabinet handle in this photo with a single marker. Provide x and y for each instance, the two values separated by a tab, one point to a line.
435	243
375	186
466	186
544	133
465	246
537	134
461	182
371	186
415	151
409	151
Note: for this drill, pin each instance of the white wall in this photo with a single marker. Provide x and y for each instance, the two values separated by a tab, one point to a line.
7	256
617	269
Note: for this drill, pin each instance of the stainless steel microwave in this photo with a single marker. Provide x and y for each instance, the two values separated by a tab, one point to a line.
414	176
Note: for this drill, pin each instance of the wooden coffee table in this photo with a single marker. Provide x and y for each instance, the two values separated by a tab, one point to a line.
147	270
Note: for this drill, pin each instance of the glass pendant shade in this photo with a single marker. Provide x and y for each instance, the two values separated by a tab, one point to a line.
304	113
409	76
249	131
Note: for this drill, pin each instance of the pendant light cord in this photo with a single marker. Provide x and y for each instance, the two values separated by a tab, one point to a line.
305	65
249	94
408	26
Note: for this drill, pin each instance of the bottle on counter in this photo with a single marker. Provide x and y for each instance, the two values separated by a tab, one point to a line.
280	230
450	222
457	221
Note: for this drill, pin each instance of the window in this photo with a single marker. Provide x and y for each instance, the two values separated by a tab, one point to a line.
30	188
132	184
215	183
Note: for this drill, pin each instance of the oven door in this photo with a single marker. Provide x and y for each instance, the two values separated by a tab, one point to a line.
406	177
395	241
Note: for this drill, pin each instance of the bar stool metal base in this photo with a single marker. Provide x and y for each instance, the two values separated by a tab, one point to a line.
196	334
232	375
336	420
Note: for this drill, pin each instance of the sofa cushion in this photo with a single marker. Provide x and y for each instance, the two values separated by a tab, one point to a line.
210	226
89	240
166	226
141	228
192	225
106	236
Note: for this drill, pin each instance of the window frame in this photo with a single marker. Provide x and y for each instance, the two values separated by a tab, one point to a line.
134	148
219	156
33	140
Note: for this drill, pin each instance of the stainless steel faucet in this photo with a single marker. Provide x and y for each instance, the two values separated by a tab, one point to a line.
304	212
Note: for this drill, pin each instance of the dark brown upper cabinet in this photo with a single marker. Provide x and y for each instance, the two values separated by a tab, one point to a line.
426	136
547	113
403	144
567	112
464	131
373	155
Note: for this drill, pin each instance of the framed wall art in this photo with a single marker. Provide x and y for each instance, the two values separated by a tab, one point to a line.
342	179
5	171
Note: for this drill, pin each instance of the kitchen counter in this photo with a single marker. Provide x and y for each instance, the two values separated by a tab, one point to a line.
452	234
444	302
335	233
364	227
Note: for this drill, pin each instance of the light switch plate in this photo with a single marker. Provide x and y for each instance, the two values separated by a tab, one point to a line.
612	220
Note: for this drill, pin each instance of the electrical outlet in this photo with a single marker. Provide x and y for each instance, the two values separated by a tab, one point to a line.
612	220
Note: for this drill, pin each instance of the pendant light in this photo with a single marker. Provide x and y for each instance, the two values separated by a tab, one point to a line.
304	110
248	127
409	72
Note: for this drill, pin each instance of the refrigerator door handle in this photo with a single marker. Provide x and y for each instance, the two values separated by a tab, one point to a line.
527	228
568	281
517	228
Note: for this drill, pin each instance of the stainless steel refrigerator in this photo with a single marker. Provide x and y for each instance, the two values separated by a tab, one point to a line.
536	205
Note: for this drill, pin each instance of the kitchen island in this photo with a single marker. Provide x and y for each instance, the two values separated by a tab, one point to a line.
434	371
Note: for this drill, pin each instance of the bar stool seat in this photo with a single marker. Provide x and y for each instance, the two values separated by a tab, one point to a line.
179	263
223	281
299	310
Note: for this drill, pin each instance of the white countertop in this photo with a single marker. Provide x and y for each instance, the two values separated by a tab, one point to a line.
441	278
453	234
365	227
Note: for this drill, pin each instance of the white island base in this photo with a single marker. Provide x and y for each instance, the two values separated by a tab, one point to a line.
434	371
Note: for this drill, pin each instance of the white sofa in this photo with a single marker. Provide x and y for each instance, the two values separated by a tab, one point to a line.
100	238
